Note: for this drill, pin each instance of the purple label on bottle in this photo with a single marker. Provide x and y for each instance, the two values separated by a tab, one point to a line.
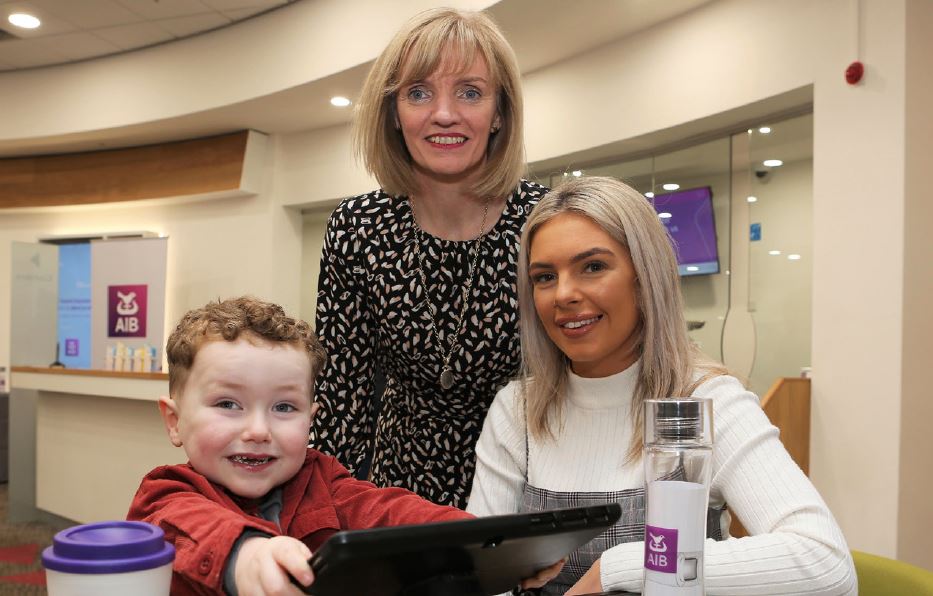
661	549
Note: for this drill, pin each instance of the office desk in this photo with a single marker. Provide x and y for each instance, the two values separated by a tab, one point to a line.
97	434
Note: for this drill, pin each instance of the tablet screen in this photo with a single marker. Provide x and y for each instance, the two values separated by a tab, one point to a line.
486	555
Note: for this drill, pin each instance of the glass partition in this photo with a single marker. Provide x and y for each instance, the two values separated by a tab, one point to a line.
780	251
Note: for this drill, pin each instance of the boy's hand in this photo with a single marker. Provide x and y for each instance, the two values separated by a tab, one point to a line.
543	576
264	565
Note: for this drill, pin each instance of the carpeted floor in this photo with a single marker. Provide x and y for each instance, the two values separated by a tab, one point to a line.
21	545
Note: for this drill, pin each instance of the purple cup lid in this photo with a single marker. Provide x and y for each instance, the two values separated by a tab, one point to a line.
108	547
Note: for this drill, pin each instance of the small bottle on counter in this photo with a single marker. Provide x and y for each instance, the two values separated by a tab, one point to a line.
138	359
147	358
119	360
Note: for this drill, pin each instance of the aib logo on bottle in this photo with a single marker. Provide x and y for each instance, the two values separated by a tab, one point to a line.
660	549
126	311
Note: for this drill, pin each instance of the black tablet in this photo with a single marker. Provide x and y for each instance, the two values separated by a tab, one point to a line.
488	555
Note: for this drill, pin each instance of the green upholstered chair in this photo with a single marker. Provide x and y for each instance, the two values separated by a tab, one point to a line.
880	576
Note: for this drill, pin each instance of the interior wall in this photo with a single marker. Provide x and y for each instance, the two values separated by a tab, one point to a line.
312	242
317	168
858	276
915	540
721	56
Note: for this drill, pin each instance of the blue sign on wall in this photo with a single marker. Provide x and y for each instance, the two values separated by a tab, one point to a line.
754	232
74	305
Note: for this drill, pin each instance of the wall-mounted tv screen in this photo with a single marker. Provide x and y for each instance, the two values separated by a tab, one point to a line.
688	217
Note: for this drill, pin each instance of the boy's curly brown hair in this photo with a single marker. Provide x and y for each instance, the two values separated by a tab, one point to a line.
227	319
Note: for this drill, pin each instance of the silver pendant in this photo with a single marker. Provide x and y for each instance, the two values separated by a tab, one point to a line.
447	378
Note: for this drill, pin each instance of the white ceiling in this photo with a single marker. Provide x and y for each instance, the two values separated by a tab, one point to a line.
75	30
541	31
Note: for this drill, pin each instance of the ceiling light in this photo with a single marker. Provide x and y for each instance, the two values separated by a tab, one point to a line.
23	20
565	173
774	253
764	130
670	186
751	199
649	194
773	163
793	257
339	101
577	173
664	215
749	131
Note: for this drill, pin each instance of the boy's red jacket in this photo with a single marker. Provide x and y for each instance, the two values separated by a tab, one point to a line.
203	520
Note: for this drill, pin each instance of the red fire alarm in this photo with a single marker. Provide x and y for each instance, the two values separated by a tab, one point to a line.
854	72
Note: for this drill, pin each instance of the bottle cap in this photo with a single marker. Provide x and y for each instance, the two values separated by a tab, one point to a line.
108	547
679	421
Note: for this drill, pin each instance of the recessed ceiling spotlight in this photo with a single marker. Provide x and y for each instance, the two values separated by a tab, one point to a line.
339	101
23	20
774	253
649	194
764	130
670	186
773	163
752	199
793	257
664	215
577	173
750	131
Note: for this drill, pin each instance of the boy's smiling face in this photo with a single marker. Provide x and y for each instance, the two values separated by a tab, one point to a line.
244	413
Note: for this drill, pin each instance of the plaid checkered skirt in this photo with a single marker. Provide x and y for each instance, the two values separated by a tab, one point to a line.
629	528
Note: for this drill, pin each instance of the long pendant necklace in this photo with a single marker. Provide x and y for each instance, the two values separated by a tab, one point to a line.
446	378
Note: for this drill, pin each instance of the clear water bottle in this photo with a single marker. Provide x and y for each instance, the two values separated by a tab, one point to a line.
678	461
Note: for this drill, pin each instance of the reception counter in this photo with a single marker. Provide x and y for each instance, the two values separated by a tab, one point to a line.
97	433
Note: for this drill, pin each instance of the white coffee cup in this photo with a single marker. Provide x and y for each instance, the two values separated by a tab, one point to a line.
112	558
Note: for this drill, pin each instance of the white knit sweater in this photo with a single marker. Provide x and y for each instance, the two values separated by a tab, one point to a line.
795	545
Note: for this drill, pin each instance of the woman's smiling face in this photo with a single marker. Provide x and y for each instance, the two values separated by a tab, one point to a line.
585	294
446	119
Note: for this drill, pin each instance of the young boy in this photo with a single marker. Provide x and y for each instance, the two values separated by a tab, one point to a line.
253	501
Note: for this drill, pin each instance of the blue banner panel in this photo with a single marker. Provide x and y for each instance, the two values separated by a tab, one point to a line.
74	305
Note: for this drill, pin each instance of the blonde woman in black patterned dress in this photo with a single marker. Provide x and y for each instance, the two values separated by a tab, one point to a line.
418	278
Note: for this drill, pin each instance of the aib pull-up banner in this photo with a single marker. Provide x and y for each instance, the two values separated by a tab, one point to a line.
127	298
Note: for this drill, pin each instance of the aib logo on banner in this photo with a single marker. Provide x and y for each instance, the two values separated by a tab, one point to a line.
661	549
126	311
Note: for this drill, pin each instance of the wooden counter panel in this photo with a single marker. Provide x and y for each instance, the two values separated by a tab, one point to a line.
182	168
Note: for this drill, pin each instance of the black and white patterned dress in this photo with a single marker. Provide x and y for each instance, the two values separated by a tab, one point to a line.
371	310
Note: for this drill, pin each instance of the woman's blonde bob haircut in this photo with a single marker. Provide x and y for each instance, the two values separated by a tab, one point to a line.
669	360
441	37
